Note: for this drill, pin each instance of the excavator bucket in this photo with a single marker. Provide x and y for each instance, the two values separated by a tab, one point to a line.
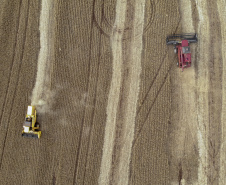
177	38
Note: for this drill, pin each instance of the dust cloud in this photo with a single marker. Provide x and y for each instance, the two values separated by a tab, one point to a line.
42	95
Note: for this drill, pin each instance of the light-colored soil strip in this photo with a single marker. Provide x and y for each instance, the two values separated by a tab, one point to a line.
131	103
222	14
121	171
113	98
41	94
202	91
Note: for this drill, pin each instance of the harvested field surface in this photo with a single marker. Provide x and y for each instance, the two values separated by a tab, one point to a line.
112	105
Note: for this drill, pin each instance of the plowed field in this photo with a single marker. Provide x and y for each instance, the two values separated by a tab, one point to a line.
112	105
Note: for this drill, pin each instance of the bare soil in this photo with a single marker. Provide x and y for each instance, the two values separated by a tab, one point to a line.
112	105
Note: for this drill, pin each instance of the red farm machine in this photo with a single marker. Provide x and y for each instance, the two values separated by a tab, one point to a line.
182	48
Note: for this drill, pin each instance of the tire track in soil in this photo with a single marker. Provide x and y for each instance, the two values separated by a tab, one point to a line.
150	108
152	84
104	20
94	104
155	97
81	133
42	95
13	60
151	88
13	88
151	96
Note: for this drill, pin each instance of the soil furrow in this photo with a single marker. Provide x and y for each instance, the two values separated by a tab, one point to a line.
94	103
13	85
87	85
150	109
13	58
152	84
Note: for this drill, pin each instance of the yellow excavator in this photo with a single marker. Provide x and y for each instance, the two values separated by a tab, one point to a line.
31	127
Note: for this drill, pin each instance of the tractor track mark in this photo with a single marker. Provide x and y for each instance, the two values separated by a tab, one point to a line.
180	174
103	17
146	117
153	10
151	84
105	20
95	101
91	130
152	104
83	119
54	180
12	63
16	85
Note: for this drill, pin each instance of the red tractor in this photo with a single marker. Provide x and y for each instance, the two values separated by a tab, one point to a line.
181	46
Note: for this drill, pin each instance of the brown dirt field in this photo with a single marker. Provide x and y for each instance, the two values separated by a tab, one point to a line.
112	105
